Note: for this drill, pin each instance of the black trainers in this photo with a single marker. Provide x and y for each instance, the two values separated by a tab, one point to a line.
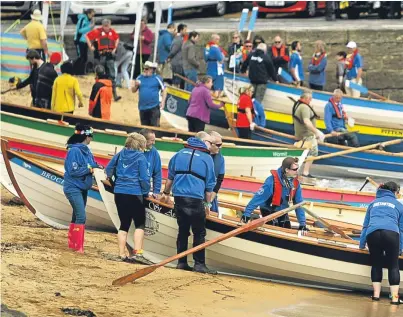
117	98
202	268
139	258
184	266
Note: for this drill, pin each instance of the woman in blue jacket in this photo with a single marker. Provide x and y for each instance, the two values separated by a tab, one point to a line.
383	233
132	184
78	166
85	24
317	67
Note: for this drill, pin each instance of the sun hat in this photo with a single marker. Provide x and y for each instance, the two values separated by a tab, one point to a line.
351	44
36	15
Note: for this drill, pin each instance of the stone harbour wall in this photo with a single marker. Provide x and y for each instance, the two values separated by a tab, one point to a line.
381	50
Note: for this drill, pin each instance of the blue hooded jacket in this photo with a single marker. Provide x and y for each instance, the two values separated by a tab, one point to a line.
386	213
164	45
77	175
154	168
192	170
83	27
266	191
132	175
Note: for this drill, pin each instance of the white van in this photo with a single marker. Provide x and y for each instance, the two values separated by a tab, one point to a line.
128	8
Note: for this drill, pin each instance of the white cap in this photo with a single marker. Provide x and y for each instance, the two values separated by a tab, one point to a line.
36	15
351	44
150	64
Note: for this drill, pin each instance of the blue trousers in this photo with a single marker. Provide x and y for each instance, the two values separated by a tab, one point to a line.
192	75
78	200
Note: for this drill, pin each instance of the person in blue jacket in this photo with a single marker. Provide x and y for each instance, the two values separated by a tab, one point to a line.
214	57
335	121
382	230
191	177
279	191
86	23
317	67
296	65
164	42
132	184
154	162
219	167
78	166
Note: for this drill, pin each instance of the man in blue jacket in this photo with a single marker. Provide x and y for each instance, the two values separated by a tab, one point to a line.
335	120
219	166
154	161
191	177
279	191
164	42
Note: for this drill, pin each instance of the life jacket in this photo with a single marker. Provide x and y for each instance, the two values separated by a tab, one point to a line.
282	52
338	115
350	59
106	40
295	107
189	170
245	53
316	60
278	189
101	99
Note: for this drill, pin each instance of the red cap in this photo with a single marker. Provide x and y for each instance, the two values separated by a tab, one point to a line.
55	58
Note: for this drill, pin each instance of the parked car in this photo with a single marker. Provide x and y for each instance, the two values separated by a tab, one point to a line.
128	8
302	8
26	7
353	9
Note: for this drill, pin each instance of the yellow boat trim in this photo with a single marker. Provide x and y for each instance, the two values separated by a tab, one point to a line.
287	118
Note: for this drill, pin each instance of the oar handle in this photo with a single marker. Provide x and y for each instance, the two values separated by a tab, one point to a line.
353	150
369	179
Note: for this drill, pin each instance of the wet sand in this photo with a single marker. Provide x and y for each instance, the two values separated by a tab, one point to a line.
40	276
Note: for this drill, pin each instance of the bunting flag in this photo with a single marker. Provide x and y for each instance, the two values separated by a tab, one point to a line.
13	52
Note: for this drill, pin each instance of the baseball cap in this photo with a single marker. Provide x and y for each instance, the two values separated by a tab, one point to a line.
351	44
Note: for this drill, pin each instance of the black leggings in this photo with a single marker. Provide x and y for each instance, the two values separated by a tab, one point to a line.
195	124
282	221
130	207
244	133
387	241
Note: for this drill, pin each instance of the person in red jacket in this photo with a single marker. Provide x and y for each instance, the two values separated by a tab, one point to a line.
244	121
107	41
144	47
101	95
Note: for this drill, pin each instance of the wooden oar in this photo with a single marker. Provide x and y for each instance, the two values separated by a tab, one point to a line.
353	150
247	227
369	179
6	91
227	115
326	224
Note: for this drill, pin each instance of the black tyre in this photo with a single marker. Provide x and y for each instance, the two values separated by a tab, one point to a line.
353	13
310	10
221	8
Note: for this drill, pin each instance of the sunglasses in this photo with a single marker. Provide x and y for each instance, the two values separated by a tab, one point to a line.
147	68
277	42
218	144
235	37
294	169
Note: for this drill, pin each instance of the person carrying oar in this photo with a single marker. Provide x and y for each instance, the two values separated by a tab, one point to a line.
192	179
383	233
280	190
335	120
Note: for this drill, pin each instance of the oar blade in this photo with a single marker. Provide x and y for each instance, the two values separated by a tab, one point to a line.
134	276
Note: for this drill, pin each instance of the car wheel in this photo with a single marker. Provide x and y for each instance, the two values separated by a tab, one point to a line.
310	9
74	18
221	8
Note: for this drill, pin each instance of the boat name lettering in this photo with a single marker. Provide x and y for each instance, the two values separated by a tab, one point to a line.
380	204
154	207
280	154
392	132
52	177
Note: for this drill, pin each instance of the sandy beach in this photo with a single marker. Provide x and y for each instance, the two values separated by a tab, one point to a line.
40	276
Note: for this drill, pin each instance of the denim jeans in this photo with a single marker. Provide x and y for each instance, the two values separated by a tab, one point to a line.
124	63
78	200
192	75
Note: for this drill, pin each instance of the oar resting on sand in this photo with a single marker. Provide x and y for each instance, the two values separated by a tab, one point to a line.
245	228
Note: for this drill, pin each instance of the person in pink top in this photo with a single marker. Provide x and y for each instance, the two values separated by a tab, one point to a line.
144	49
200	104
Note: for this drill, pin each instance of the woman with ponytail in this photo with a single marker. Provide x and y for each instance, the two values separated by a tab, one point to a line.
78	168
383	233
